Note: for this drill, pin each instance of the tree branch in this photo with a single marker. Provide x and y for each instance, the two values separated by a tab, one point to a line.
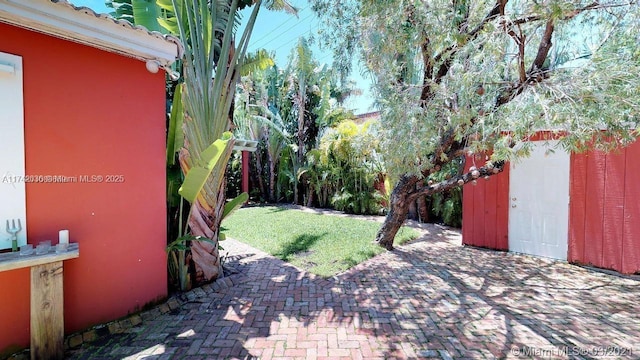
449	53
448	146
464	21
536	73
457	181
428	70
448	140
520	41
596	5
543	48
527	19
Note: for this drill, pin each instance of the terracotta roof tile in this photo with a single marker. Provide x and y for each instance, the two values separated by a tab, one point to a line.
106	17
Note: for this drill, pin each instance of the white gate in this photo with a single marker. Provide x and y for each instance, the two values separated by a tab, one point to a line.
539	202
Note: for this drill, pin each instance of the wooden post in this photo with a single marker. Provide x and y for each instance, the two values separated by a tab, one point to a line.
47	317
245	171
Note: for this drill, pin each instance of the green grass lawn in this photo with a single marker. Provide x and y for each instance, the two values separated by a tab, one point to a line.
322	244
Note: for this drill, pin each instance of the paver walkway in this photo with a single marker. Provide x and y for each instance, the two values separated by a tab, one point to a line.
431	298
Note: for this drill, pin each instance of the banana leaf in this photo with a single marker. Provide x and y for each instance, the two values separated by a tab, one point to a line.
231	206
197	176
168	19
146	13
139	12
175	136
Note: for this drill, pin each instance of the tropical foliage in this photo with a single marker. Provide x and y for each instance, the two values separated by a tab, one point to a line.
342	165
199	122
296	114
206	103
349	159
482	77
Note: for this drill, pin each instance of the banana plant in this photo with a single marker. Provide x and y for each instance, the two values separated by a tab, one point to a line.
206	104
211	68
178	251
210	49
204	173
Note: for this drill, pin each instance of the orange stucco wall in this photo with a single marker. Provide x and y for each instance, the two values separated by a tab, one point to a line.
89	112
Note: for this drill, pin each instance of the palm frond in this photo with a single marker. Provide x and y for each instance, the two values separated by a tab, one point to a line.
258	60
281	5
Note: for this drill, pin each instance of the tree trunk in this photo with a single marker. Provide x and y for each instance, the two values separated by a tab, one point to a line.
421	203
301	109
310	197
398	210
206	255
272	179
259	169
204	220
412	212
302	93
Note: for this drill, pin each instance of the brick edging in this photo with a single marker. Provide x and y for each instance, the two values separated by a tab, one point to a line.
174	302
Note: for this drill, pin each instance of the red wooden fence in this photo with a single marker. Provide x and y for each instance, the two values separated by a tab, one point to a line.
604	214
604	210
485	209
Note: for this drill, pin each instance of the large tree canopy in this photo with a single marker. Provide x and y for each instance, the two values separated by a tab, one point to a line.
455	77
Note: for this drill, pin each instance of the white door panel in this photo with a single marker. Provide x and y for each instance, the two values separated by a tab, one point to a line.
539	203
12	182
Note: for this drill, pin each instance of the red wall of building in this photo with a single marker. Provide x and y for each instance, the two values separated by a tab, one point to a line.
604	210
485	212
89	112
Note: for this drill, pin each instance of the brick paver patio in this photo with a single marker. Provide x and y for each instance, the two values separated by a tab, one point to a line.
431	298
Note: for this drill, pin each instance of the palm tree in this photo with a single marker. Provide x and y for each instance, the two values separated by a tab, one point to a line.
207	103
287	109
212	66
260	117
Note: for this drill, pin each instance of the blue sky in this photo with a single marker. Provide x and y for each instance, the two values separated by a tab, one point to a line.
279	32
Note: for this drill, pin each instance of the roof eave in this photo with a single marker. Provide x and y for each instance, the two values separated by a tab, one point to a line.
83	25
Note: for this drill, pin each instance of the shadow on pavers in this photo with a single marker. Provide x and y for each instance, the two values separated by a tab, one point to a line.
429	298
